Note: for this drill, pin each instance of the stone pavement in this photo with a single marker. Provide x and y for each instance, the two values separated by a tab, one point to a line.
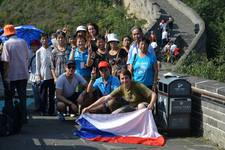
48	133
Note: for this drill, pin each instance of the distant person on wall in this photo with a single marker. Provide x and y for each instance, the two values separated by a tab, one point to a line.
165	38
152	37
170	26
15	55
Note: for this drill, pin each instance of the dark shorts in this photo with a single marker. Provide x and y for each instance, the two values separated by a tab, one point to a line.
73	98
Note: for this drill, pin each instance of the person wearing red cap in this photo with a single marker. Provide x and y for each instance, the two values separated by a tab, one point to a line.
105	84
15	55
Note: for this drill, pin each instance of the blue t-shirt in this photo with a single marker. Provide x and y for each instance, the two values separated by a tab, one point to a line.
80	60
134	50
143	69
113	83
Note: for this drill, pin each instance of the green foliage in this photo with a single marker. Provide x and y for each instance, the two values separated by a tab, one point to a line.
212	65
199	65
212	12
51	15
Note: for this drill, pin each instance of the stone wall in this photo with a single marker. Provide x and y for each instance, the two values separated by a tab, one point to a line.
208	109
208	118
199	41
143	9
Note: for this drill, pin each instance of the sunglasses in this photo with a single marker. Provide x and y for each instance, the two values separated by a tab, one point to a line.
103	69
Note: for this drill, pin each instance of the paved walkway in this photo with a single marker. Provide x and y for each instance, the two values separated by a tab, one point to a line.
48	133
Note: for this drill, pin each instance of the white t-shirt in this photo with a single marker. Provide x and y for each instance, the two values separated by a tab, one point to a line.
68	88
16	53
164	35
173	47
43	63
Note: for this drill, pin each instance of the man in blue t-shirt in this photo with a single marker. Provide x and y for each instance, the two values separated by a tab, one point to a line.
105	84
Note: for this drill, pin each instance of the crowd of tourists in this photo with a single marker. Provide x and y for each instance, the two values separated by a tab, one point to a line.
82	72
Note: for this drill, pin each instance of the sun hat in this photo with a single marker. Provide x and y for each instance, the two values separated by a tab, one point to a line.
112	37
81	28
9	29
103	64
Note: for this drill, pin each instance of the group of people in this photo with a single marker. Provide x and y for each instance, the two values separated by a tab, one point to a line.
85	72
164	44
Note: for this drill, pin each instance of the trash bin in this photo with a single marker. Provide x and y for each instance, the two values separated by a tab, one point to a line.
174	104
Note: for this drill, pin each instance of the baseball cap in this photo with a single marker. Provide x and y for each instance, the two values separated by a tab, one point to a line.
103	64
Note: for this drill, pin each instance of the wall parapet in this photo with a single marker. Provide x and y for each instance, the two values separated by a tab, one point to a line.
199	41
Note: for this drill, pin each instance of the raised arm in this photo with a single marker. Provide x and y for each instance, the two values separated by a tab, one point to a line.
89	59
91	82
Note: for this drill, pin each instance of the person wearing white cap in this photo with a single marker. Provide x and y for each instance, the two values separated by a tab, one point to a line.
81	31
117	56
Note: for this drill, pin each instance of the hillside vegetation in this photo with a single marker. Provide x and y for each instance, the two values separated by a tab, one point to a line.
50	15
211	65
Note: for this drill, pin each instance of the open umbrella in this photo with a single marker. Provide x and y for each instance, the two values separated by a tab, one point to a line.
28	33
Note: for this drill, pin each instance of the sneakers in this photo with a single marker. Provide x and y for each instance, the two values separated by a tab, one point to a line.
61	116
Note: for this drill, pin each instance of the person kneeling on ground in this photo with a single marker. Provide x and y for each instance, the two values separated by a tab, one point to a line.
135	94
65	88
103	85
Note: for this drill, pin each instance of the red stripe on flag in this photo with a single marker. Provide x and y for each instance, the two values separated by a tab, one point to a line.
159	141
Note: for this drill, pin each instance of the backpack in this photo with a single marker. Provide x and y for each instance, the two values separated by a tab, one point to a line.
11	121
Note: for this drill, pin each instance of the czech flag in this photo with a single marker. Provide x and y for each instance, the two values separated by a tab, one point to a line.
137	127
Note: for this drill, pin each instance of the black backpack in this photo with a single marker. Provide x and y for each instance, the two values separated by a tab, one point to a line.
11	121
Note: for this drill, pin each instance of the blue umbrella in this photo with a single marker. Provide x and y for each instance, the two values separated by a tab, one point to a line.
28	33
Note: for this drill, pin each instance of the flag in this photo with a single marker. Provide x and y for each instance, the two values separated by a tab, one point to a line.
137	127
